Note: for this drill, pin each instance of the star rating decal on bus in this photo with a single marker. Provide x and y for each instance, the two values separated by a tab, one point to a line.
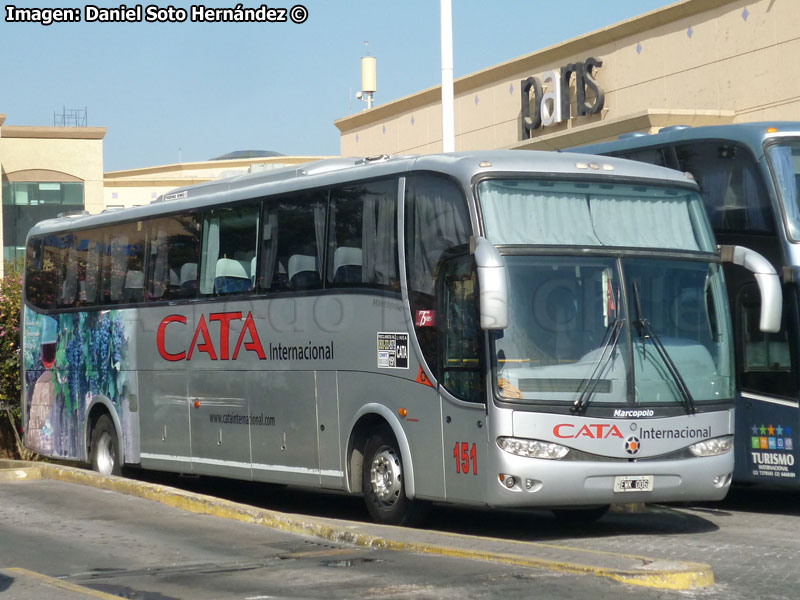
771	437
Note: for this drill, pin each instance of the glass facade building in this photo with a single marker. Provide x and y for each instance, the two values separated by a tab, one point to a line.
27	203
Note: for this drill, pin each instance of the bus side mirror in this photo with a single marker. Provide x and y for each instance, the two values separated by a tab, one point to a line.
493	299
769	285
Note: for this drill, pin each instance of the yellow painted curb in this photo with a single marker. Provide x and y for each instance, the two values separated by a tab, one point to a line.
646	572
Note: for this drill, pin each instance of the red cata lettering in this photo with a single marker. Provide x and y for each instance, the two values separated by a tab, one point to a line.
595	431
202	340
254	345
162	329
557	430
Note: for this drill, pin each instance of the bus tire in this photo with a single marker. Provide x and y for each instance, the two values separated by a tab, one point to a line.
383	485
104	448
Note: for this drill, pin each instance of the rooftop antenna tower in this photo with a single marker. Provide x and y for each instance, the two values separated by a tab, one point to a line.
369	78
70	117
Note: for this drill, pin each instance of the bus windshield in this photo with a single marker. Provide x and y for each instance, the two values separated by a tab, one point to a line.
575	336
785	164
527	211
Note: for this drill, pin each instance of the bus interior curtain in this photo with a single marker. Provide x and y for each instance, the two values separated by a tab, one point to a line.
619	222
319	230
386	263
378	239
161	266
531	218
436	226
210	255
755	201
92	270
785	176
119	266
71	280
269	243
369	239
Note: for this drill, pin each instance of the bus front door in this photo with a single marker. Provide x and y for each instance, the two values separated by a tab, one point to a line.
461	385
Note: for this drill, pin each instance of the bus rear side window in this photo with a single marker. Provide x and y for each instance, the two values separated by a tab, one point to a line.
41	276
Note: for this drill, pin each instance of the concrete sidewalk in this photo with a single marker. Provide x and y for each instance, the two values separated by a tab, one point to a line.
636	570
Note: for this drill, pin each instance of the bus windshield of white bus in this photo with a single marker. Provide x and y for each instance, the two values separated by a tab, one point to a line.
785	164
616	329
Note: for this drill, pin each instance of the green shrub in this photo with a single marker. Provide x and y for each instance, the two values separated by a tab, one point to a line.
10	384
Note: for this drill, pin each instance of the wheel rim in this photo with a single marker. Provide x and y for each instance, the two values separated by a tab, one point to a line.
386	476
106	459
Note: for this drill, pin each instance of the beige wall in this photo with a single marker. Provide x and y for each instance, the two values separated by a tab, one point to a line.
654	74
141	186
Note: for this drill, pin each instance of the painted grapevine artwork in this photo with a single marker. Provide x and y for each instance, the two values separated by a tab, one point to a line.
69	359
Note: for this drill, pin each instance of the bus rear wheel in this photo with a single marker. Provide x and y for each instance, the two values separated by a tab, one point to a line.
104	449
383	484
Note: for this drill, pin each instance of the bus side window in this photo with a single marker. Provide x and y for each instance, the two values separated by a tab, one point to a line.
292	248
174	255
436	219
362	243
731	187
230	244
122	264
42	272
767	364
460	331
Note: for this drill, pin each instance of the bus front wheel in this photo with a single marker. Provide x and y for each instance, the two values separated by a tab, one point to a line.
104	450
383	484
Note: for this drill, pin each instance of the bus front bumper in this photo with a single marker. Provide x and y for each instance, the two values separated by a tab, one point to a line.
521	482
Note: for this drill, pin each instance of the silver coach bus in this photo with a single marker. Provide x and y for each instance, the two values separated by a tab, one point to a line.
509	329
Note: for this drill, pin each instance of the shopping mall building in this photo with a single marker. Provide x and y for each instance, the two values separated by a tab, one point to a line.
694	62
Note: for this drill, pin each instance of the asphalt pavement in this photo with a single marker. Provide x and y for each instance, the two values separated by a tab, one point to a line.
627	568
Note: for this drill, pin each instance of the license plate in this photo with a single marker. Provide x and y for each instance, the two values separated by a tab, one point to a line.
633	483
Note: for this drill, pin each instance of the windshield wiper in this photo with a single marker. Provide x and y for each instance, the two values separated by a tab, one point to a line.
590	385
646	332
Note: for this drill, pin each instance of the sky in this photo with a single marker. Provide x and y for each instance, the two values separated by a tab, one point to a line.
190	91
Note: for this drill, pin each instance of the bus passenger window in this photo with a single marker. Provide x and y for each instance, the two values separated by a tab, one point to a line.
362	244
436	219
293	243
229	246
43	266
122	264
174	254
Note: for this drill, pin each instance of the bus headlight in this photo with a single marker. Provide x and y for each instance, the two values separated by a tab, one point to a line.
532	448
714	447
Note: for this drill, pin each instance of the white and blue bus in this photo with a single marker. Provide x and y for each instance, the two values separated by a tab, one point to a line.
505	329
749	177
